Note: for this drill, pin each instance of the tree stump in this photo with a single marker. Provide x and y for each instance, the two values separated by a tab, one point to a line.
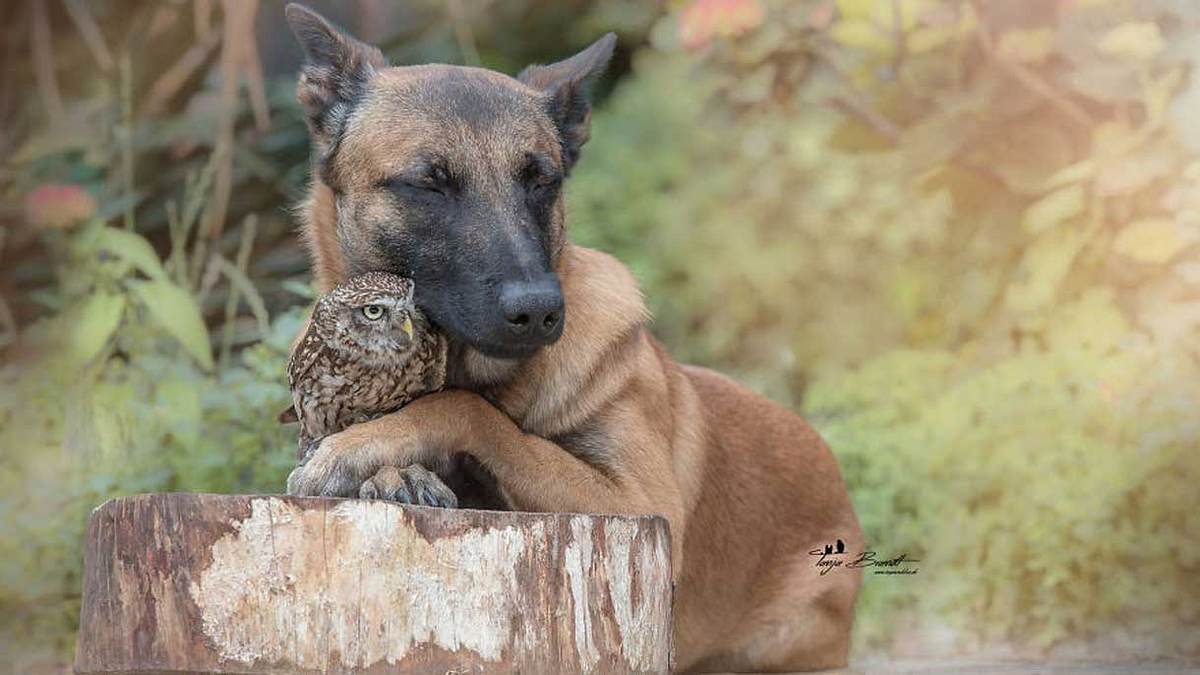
251	584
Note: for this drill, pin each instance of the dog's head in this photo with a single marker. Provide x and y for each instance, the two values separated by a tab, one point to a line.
451	176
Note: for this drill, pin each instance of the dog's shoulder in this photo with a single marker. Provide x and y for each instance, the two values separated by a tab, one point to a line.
599	288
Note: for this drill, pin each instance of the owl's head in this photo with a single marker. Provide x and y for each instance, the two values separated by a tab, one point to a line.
370	316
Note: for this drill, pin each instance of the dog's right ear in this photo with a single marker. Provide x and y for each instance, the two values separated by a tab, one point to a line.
336	70
567	85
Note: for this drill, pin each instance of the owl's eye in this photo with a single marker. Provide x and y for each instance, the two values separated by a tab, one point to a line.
373	312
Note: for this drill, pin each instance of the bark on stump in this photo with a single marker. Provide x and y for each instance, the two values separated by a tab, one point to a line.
250	584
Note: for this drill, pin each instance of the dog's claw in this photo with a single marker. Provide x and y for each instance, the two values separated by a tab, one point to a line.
413	484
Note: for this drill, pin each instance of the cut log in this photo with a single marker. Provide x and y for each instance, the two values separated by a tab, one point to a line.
250	584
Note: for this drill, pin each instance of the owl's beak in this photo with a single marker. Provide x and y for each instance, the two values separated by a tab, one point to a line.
407	327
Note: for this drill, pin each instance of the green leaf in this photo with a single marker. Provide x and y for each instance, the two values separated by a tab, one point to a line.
298	288
175	310
1140	40
1032	45
1132	173
249	293
1075	173
862	34
96	319
1042	270
1182	115
133	249
111	208
1053	209
1153	240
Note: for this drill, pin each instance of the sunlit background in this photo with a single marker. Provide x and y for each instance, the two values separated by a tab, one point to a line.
962	237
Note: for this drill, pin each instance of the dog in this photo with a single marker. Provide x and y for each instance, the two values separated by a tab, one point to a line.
453	176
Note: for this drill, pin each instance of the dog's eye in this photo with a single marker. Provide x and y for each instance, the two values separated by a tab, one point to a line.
539	175
434	181
540	182
373	312
429	186
425	184
438	176
545	184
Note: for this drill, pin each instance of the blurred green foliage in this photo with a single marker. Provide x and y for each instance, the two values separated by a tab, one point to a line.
115	393
141	416
961	236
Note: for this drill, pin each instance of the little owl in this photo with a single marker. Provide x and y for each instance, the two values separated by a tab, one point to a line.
368	351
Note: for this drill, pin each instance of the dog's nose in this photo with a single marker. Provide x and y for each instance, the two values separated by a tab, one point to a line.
533	309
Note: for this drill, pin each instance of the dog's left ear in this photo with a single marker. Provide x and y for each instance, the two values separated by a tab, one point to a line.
568	85
335	73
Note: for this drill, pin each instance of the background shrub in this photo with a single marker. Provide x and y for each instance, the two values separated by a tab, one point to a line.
961	237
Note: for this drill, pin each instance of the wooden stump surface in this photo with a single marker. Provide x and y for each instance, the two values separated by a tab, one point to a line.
249	584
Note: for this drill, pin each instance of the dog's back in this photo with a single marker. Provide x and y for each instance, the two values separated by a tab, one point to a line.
752	597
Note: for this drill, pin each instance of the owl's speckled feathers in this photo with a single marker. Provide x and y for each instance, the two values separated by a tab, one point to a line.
367	351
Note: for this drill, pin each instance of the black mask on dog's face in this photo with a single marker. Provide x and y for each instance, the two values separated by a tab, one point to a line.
451	176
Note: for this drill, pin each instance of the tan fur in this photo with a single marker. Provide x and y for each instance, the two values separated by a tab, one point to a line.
322	243
603	420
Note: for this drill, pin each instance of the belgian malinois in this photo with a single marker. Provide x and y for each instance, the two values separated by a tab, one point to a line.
453	176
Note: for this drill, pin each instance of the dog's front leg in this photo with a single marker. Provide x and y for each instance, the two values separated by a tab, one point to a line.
537	474
340	463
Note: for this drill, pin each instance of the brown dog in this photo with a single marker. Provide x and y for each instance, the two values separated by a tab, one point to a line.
452	176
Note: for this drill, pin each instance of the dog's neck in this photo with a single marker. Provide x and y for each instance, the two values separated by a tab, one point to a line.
467	368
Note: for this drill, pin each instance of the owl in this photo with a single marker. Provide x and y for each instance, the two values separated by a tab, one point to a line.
367	351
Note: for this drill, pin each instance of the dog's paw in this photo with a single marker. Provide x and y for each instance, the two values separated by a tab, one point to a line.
414	484
332	466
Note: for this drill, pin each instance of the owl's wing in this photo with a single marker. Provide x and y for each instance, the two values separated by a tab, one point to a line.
300	363
303	356
435	368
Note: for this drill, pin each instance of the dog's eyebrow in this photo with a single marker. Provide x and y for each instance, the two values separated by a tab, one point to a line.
542	163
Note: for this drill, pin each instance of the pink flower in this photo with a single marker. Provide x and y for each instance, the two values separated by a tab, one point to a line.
58	206
703	20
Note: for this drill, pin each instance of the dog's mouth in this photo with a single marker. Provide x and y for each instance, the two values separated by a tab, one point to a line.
507	351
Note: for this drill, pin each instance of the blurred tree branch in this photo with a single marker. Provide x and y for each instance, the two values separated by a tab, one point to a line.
85	23
1028	78
463	34
172	80
854	102
42	55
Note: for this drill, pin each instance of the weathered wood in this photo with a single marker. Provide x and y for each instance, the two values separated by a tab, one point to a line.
250	584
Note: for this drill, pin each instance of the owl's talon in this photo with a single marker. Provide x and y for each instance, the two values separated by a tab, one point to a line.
425	497
402	495
413	484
